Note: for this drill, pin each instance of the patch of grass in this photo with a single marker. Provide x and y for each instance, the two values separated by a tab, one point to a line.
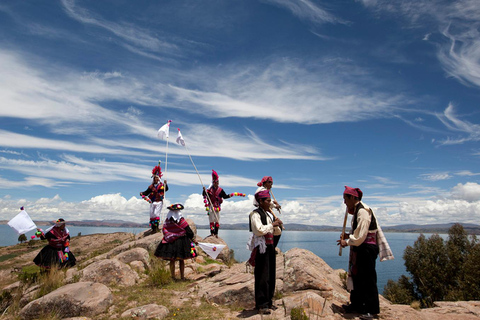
50	281
343	278
6	299
9	256
278	295
416	305
298	313
203	311
29	274
210	261
159	273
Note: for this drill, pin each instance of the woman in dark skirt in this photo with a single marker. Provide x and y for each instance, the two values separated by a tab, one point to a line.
57	252
178	241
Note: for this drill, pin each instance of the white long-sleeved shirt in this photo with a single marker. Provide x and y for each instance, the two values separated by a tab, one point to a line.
363	223
258	228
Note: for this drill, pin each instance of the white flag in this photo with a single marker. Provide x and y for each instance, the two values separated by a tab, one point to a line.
22	223
212	249
180	138
164	131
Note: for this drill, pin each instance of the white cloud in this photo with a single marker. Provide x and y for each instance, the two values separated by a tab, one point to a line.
273	92
457	21
307	10
469	192
470	131
466	173
463	205
436	176
133	36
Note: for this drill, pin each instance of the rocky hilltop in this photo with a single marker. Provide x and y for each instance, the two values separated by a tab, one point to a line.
113	279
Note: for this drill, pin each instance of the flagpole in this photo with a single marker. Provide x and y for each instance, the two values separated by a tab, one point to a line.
167	133
198	174
208	197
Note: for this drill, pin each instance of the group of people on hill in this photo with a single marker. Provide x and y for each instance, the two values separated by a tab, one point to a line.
366	240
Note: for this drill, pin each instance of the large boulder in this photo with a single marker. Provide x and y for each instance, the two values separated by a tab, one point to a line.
304	270
233	285
72	300
135	254
110	271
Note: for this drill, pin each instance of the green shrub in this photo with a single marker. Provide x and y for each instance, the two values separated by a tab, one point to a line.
298	314
401	292
159	273
29	274
440	270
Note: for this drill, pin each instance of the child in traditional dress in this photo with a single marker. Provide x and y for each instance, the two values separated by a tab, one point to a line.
57	252
178	241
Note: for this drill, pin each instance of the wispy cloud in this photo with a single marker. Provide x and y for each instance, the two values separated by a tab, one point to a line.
131	36
273	92
308	11
458	21
438	176
470	131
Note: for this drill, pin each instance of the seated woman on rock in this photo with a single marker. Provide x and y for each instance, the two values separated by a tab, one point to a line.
57	252
178	241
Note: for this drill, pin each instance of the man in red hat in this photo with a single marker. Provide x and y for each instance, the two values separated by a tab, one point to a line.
155	194
362	276
214	196
262	224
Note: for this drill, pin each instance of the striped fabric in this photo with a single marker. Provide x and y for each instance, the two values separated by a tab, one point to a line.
173	230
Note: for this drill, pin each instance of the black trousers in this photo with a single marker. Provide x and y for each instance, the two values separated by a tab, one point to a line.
364	296
276	239
265	268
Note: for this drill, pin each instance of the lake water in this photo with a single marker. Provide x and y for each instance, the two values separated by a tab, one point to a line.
323	244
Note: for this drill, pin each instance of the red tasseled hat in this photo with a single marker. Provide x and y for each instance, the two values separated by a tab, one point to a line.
157	171
356	192
264	179
214	176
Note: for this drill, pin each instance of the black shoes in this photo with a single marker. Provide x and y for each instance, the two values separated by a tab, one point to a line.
264	311
348	308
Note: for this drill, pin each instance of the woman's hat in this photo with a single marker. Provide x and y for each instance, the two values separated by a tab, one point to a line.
176	206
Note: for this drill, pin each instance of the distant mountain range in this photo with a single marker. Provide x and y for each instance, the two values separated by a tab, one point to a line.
413	228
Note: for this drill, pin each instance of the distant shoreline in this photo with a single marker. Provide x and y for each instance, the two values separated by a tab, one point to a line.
410	228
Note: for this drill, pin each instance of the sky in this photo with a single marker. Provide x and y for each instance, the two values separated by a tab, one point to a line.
377	94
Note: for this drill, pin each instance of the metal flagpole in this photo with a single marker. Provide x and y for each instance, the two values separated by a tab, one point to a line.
198	174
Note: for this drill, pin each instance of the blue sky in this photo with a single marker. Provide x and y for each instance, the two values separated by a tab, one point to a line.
374	94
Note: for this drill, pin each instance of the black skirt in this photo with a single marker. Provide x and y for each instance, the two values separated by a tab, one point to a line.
180	249
49	256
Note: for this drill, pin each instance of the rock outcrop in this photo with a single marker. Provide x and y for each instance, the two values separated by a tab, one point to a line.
72	300
302	280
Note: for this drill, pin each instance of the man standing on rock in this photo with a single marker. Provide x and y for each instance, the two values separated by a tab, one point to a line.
262	224
365	240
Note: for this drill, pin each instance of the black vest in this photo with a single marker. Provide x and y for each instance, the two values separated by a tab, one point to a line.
373	222
263	218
